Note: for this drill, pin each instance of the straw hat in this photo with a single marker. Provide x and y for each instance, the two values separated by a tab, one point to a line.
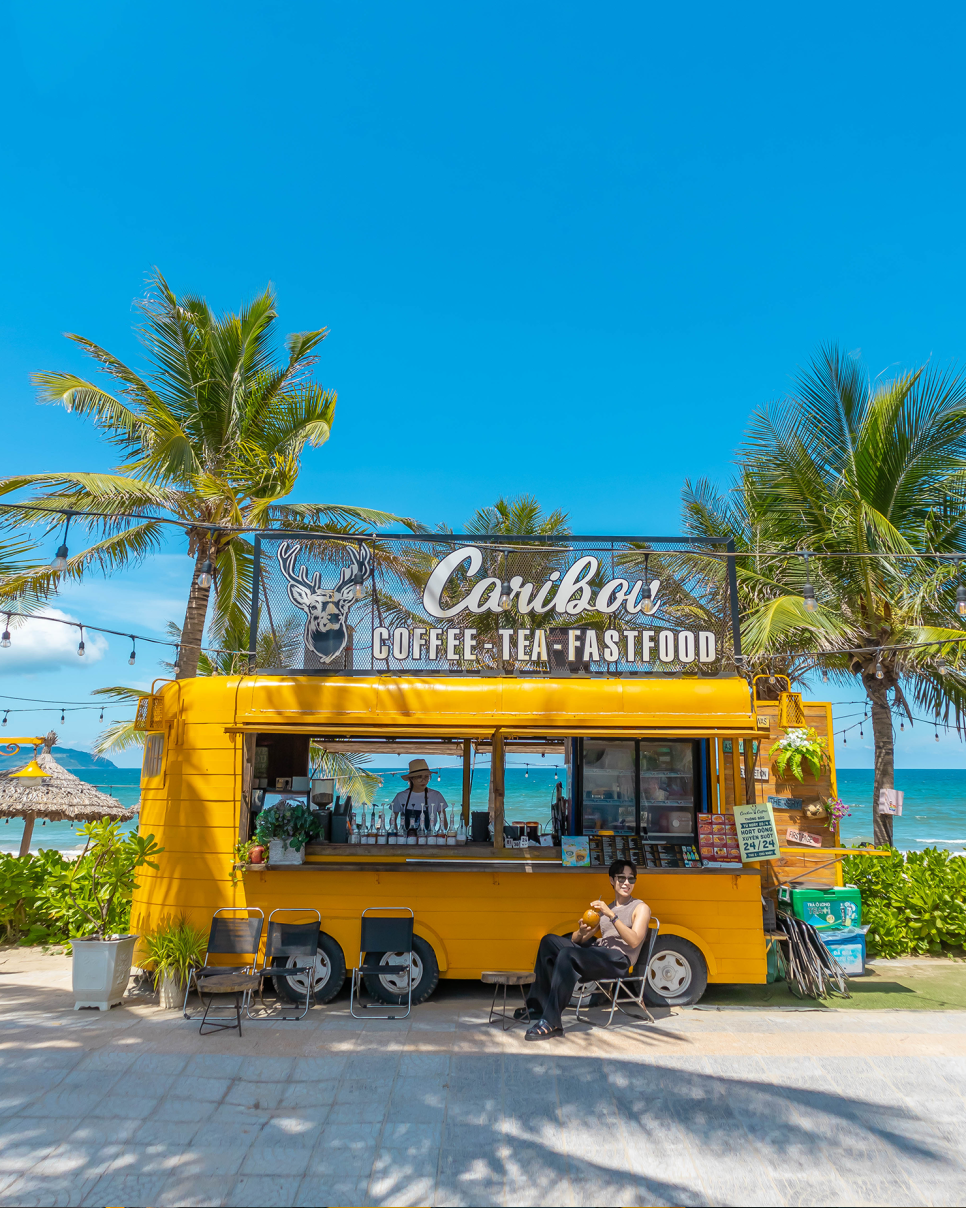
415	765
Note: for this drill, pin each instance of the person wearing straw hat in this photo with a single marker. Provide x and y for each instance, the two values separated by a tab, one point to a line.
419	800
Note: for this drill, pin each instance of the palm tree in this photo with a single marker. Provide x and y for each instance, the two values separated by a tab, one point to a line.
868	477
210	438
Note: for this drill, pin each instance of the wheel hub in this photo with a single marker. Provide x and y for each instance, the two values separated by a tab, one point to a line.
320	974
669	974
398	982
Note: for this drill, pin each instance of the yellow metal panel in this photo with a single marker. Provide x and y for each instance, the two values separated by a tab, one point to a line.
482	704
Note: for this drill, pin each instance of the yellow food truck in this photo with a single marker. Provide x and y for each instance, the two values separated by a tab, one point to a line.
615	659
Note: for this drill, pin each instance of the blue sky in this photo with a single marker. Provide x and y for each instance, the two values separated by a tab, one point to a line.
560	250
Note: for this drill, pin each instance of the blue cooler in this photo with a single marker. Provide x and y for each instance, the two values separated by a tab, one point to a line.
847	945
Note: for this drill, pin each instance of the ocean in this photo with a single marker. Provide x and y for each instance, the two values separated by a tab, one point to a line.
934	810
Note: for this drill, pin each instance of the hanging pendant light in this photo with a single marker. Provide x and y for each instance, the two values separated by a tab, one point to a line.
204	575
824	676
62	715
960	591
5	640
4	722
80	644
133	655
808	592
902	725
647	600
60	558
101	718
505	600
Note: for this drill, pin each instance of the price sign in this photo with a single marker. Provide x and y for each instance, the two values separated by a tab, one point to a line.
757	833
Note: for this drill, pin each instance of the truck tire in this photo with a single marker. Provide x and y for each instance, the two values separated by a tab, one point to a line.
676	975
391	987
328	977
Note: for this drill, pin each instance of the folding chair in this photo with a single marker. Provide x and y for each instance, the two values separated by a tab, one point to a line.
380	936
623	985
228	937
295	942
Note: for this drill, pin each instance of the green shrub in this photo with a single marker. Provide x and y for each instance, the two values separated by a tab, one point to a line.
26	914
913	902
48	899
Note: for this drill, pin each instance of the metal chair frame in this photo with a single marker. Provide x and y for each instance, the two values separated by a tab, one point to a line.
368	944
620	985
253	914
269	970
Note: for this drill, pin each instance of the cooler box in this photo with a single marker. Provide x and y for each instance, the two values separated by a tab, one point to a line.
848	948
824	908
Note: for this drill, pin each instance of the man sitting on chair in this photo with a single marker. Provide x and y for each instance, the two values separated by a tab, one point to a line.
563	961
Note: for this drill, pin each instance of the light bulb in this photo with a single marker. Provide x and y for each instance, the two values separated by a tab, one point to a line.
647	604
4	722
131	657
60	559
771	679
5	640
808	598
937	736
824	676
505	600
204	575
80	648
902	725
879	673
845	741
101	718
961	599
358	591
62	715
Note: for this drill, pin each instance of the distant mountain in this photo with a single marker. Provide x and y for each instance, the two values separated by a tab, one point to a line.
68	758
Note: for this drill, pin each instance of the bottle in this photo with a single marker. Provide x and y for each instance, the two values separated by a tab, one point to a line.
411	835
461	832
438	838
371	832
421	836
451	833
382	835
354	835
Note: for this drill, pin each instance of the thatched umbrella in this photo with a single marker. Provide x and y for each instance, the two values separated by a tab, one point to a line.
61	795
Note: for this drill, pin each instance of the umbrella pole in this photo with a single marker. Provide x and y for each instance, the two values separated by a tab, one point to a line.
28	830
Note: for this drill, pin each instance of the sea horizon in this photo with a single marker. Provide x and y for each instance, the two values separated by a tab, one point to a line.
934	809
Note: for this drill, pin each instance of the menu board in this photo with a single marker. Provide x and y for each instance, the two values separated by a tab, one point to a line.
718	841
757	833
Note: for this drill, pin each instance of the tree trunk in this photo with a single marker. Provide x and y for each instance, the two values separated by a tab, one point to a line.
883	734
193	630
28	830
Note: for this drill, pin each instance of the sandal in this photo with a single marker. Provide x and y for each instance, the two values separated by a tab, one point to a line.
542	1030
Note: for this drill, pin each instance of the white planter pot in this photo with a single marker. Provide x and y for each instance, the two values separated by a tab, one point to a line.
101	969
279	852
172	992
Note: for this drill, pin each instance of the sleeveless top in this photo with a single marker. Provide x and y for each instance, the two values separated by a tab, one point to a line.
609	937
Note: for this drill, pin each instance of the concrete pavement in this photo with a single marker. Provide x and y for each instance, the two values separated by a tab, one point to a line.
717	1107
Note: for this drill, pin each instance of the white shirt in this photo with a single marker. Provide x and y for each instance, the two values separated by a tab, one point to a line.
435	802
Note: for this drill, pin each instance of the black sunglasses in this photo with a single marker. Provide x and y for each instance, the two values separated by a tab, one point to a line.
629	880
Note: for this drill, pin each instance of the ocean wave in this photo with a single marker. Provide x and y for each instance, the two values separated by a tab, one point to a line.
919	840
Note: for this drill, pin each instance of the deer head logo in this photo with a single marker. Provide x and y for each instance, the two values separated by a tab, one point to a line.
326	609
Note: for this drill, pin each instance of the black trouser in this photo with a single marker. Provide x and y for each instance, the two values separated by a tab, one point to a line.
561	964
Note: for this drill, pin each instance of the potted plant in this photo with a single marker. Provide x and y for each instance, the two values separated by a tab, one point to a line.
173	950
797	746
93	894
285	828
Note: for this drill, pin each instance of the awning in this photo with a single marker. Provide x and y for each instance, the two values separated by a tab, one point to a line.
475	706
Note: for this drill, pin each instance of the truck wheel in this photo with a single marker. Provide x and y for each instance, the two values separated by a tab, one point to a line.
676	975
392	987
327	977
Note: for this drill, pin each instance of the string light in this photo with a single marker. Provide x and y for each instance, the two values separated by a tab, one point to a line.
133	655
204	575
824	676
808	591
5	640
62	715
60	558
101	718
80	645
4	722
902	725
